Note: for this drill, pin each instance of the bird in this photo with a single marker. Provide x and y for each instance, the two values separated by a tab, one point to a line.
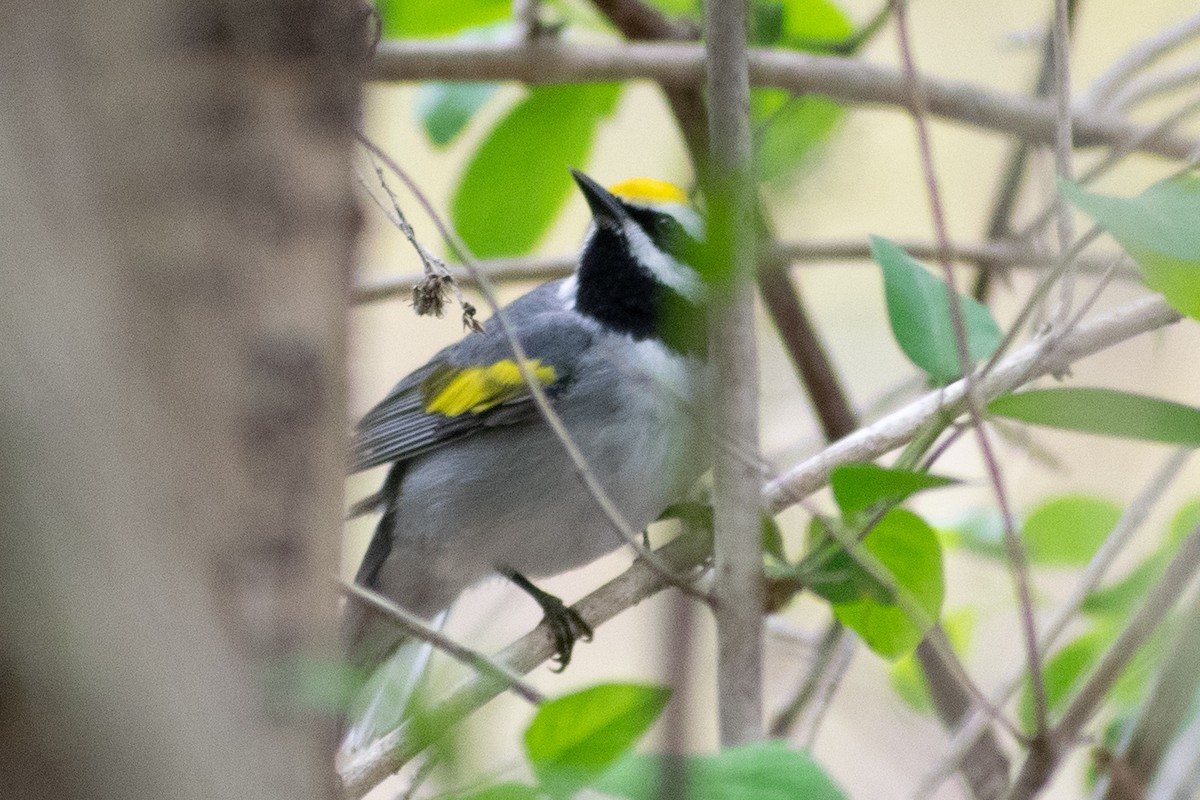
478	484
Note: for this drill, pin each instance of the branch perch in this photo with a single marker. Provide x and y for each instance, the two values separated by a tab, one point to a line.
845	80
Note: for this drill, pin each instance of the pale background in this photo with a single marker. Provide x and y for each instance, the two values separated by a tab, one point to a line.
867	182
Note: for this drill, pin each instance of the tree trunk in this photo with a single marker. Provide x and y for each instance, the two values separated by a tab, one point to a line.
176	234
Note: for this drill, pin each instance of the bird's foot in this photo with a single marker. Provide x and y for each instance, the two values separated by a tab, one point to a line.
565	623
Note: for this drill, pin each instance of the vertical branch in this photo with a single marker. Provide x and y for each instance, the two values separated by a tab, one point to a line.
1000	218
1063	141
737	584
1016	552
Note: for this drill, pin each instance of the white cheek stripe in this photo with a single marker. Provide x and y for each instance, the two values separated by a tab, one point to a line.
669	270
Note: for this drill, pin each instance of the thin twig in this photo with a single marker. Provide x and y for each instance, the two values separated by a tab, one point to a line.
822	698
1016	551
1005	202
640	581
1034	360
990	256
415	626
1063	148
1153	86
1042	764
844	80
537	392
428	293
1105	88
786	719
1131	520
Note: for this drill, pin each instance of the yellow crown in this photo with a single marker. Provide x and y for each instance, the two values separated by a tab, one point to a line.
648	190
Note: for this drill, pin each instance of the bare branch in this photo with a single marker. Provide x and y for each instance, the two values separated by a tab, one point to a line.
733	360
1016	552
1139	58
846	80
1152	86
1040	357
990	256
1043	762
628	589
415	626
1060	36
1133	518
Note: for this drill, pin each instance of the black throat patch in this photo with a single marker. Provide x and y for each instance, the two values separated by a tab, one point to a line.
617	291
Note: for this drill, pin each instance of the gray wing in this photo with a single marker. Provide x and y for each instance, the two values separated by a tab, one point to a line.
399	427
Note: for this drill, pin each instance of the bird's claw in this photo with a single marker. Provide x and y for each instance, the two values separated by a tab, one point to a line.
566	628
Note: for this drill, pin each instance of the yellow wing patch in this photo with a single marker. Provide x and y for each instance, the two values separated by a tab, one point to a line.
451	392
648	190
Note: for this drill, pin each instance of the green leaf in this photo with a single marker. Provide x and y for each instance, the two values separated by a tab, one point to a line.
410	19
806	22
518	179
857	487
772	538
572	739
909	549
1117	599
1159	229
500	791
759	771
831	573
919	312
445	108
1107	412
1066	671
677	7
765	23
789	129
1067	531
905	674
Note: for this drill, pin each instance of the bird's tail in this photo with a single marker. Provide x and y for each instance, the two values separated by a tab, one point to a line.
385	700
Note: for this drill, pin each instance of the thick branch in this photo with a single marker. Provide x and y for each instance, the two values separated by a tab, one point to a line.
846	80
737	574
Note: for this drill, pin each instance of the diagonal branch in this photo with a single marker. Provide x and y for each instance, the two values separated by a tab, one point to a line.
1042	763
1040	357
640	581
845	80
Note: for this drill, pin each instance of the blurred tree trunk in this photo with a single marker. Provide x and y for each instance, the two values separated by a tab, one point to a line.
176	233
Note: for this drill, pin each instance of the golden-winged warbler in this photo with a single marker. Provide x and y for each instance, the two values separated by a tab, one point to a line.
479	484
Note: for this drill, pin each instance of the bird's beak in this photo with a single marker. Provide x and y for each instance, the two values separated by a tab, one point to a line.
606	209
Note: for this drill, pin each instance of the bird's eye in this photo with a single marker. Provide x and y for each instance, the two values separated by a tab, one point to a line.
668	234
